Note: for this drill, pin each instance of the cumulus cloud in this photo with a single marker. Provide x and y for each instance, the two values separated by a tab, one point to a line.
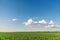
51	24
44	23
30	22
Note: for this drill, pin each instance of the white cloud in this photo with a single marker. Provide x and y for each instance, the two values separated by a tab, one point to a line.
14	19
51	24
30	22
42	22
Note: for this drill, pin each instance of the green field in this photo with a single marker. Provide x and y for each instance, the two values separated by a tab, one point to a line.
29	35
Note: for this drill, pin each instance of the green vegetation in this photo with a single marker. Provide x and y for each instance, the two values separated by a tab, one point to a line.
29	35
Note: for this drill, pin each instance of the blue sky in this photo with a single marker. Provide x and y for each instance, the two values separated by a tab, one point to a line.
22	10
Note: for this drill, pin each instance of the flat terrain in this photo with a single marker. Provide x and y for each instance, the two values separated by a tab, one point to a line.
29	35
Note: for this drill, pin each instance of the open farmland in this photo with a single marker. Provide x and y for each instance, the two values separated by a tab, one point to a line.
29	35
